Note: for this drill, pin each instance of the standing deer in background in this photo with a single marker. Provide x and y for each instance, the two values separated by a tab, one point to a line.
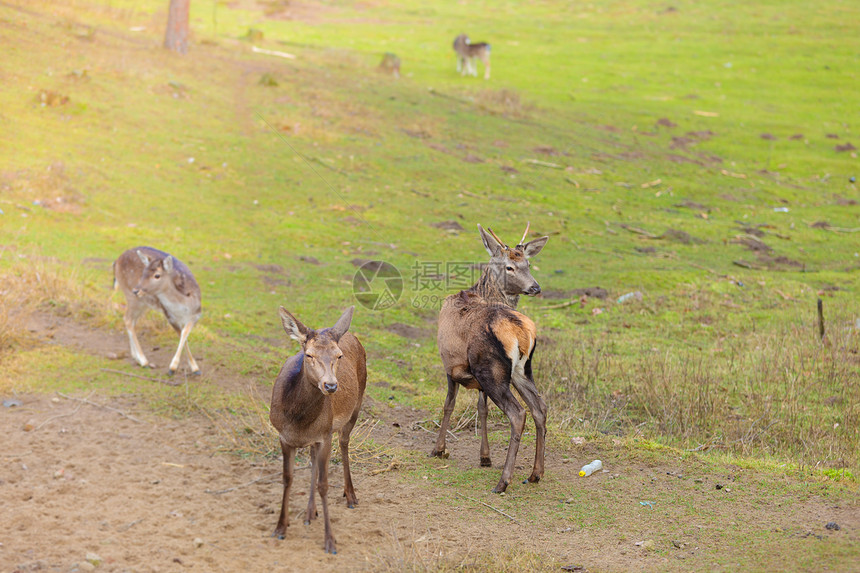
487	345
318	391
150	278
467	53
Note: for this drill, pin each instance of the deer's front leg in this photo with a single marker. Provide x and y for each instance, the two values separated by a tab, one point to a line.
284	518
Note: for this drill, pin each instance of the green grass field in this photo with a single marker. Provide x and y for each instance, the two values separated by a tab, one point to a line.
701	153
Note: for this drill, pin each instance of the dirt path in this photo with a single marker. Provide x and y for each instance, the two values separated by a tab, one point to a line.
146	493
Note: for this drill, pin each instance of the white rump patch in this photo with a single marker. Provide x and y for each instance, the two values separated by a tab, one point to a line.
518	361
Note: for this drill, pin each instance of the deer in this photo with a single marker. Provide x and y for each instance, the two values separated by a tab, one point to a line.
485	344
319	390
150	278
467	53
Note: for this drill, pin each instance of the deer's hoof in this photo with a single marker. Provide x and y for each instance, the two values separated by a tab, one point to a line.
440	454
170	372
278	534
195	373
486	463
532	479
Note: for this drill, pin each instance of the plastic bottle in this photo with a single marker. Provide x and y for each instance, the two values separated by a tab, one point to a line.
637	295
589	469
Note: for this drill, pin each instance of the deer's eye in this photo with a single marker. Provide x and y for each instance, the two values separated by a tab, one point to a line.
509	268
157	276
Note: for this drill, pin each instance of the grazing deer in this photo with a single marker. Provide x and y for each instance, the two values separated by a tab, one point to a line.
467	53
150	278
487	345
318	391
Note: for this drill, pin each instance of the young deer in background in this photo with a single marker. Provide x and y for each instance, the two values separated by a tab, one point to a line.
467	53
487	345
318	391
150	278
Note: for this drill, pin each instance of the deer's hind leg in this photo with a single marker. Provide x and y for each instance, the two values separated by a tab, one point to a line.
482	420
494	378
343	439
525	385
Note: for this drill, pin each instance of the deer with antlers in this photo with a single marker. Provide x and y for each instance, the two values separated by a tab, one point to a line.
487	345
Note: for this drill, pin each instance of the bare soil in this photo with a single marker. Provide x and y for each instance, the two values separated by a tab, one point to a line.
148	493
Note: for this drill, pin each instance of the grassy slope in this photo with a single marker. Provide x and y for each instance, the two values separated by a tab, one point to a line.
587	82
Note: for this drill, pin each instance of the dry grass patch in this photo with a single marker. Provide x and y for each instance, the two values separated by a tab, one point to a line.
505	102
778	392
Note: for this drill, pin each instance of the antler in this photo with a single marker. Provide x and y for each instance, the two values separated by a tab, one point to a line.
502	243
528	224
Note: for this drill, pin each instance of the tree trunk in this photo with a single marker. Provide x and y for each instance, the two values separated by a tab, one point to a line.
176	37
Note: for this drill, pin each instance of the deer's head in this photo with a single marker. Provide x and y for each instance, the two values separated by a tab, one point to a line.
509	266
156	275
320	347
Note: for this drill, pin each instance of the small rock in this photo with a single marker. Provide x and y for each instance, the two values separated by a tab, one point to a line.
719	486
198	542
86	566
93	559
833	526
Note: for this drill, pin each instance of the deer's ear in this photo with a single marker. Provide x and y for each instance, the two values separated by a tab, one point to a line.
342	324
532	248
143	258
293	326
490	243
167	264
